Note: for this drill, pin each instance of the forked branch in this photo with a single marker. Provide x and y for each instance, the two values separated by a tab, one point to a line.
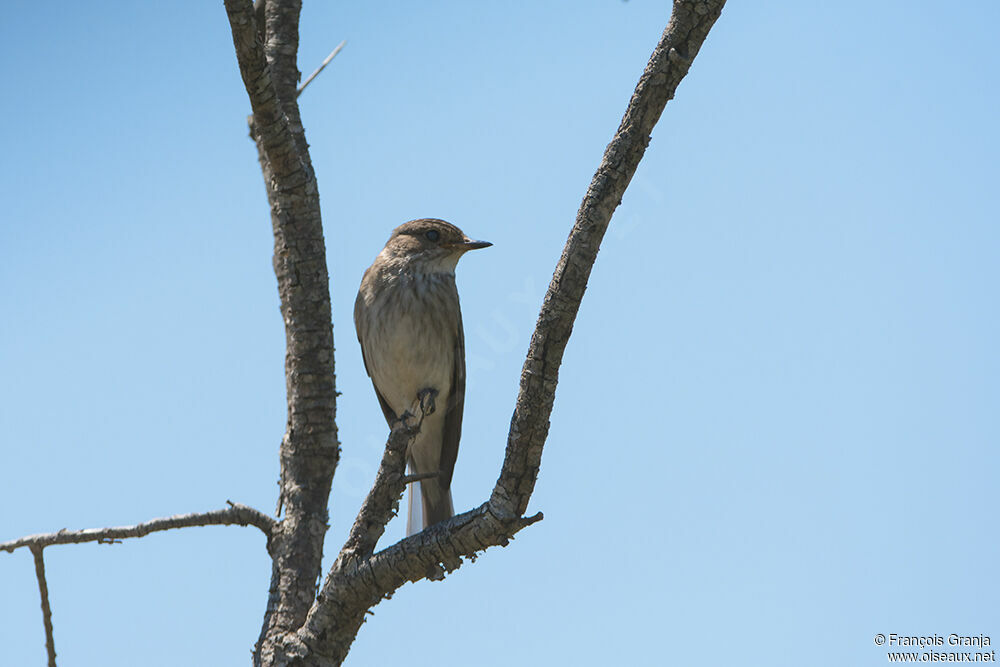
309	451
234	515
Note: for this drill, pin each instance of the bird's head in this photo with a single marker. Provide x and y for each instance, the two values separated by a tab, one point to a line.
430	245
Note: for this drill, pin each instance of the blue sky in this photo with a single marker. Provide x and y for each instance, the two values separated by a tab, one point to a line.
776	428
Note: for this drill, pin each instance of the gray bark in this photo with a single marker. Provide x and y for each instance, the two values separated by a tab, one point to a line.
309	449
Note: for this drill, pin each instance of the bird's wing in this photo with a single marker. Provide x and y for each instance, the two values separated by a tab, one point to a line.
452	431
390	416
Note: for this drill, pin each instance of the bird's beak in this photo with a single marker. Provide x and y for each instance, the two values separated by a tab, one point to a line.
468	244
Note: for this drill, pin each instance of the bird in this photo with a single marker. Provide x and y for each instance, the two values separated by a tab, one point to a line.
409	323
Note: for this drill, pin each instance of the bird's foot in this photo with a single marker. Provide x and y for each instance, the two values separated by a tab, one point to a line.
410	421
426	397
416	477
422	406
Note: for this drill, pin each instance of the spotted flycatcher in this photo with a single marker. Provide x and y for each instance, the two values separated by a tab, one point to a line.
410	327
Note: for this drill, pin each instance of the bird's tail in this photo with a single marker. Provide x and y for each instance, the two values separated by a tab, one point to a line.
435	505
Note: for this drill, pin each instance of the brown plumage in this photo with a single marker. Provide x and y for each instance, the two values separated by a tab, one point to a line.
409	324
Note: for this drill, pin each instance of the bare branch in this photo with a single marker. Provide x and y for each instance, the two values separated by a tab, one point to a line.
309	450
348	594
382	502
43	591
689	24
281	48
248	40
269	125
234	515
326	61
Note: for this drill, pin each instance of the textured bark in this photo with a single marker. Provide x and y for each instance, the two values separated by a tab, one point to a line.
689	24
309	449
382	502
348	594
234	515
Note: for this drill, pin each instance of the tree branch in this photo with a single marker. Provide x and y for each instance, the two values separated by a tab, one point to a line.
349	592
382	502
269	126
43	591
322	66
309	450
281	48
689	24
234	515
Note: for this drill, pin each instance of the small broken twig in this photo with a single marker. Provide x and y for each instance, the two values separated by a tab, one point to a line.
326	61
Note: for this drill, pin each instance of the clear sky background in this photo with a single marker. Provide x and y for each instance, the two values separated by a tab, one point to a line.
776	430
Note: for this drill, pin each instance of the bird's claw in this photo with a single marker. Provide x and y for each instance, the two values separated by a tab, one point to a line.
427	396
421	407
410	421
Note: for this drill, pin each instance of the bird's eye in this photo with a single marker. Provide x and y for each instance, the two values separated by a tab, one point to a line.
433	235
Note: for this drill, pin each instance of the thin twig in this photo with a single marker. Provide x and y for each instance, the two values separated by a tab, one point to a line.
326	61
43	591
235	514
